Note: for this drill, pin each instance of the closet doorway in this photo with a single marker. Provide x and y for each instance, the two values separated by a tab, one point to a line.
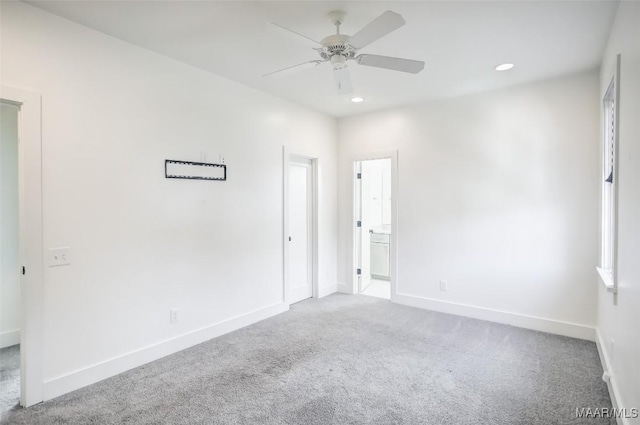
21	249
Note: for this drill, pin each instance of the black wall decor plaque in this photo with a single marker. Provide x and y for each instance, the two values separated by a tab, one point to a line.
174	169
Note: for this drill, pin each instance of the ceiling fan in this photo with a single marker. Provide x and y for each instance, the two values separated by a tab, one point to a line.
338	49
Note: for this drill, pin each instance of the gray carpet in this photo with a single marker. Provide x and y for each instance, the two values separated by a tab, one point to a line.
350	360
9	377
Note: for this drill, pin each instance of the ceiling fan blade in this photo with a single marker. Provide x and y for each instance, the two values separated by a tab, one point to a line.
387	62
296	33
343	80
376	29
310	64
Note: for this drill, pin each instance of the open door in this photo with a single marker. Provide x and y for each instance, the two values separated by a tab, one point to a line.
359	254
300	239
30	241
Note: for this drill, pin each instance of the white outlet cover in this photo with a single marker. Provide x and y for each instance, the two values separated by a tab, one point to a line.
443	285
59	257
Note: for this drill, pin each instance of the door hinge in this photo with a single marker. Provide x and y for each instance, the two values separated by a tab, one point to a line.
358	223
359	176
24	270
359	272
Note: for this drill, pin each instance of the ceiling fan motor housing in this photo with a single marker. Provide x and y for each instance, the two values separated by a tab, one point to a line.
336	48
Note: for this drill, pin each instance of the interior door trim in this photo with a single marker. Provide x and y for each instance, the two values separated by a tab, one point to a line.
287	155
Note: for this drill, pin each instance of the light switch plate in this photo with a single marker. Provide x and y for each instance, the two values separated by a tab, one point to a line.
443	285
59	256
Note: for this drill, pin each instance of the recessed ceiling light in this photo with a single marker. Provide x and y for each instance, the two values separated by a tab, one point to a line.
504	67
357	99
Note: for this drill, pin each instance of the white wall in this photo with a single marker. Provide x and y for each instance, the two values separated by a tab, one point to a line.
9	259
619	320
142	244
498	194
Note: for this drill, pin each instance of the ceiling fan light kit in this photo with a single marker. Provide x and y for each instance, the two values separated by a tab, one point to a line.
338	49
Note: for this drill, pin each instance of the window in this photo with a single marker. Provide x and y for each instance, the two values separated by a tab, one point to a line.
609	186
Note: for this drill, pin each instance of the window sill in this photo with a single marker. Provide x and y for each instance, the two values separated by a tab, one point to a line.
607	279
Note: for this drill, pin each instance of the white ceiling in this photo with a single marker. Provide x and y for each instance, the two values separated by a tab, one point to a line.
460	41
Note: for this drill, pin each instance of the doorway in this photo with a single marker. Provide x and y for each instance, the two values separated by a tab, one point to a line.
21	240
10	303
300	229
375	226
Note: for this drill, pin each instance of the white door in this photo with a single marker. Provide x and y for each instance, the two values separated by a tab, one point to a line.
359	243
10	300
300	263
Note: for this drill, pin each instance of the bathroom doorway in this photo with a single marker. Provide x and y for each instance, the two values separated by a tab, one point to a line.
374	203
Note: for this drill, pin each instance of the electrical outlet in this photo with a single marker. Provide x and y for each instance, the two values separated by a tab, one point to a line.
59	257
443	285
173	315
221	159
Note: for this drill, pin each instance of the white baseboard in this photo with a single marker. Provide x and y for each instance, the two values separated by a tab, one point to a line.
611	383
9	338
325	290
108	368
522	321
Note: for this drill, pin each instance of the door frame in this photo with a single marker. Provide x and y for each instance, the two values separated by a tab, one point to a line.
287	156
31	241
356	213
